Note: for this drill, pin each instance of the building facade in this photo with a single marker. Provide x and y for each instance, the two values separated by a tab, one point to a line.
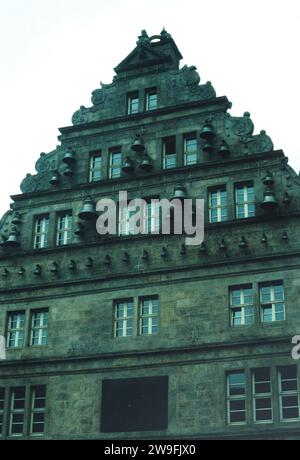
142	336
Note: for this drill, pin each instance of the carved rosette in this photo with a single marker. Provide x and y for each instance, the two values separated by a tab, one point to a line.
29	184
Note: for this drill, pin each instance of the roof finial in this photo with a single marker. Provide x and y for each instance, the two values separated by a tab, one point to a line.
165	34
143	38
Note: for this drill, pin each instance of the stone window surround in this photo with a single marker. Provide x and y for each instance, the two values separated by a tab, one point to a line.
136	316
29	389
249	396
27	326
256	286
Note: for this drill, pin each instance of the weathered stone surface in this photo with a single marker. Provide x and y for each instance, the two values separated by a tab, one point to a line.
196	345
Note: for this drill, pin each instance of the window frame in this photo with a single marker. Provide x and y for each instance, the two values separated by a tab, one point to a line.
151	92
40	328
112	165
16	330
266	395
34	410
241	397
219	207
66	231
131	98
273	302
283	393
242	306
246	202
43	234
190	137
166	155
93	168
149	316
123	319
13	411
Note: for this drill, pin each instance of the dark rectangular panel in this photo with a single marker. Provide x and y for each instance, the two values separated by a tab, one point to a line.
138	404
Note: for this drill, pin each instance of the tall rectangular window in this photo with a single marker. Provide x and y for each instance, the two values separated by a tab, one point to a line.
95	167
236	397
115	164
218	205
39	328
151	99
244	201
41	232
169	152
123	326
37	412
133	103
288	393
151	223
190	150
2	400
272	303
153	216
15	330
262	395
241	306
149	316
126	227
64	229
17	411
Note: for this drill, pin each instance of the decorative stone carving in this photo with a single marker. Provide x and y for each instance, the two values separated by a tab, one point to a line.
143	38
190	76
242	127
81	116
29	184
261	143
43	163
206	91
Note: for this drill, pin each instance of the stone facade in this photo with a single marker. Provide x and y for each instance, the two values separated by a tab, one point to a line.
197	347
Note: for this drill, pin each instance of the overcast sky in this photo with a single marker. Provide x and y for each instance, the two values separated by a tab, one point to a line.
55	52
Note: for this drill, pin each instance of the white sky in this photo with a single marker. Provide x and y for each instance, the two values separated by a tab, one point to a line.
55	52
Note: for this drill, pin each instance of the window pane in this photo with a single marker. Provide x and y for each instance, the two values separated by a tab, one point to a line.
236	417
288	372
237	404
263	415
237	384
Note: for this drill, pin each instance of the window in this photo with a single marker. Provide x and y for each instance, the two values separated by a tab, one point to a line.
115	164
236	397
169	152
262	395
272	303
133	103
2	400
39	328
245	201
149	319
41	232
151	99
95	167
190	150
15	330
241	306
153	216
288	393
64	229
218	205
17	410
126	226
123	318
38	405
